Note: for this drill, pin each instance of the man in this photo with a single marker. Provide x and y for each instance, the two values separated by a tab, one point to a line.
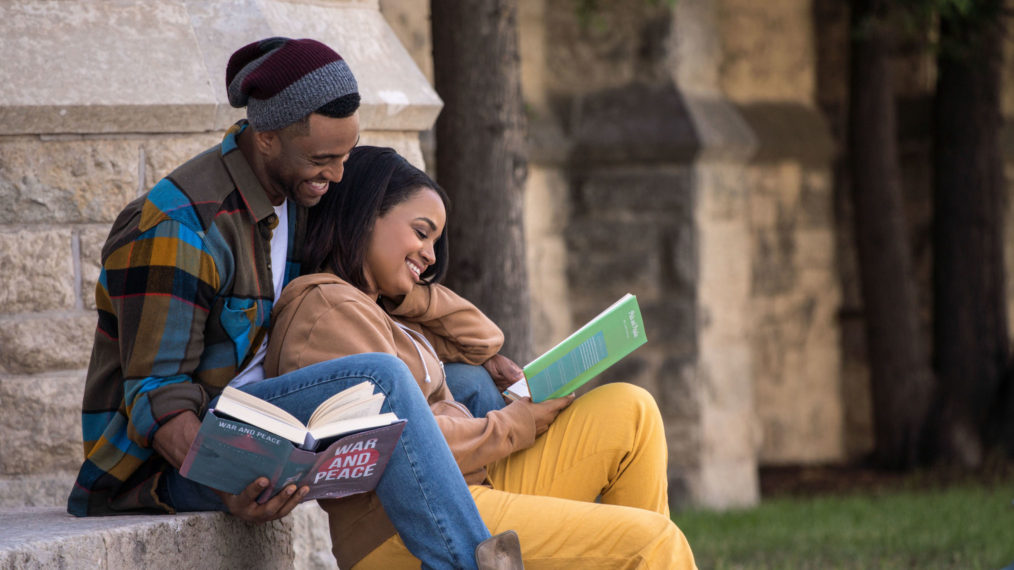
190	273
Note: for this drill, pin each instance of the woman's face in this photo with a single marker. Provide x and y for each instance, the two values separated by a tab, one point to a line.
400	247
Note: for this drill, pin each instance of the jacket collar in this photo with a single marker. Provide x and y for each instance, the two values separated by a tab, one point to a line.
243	175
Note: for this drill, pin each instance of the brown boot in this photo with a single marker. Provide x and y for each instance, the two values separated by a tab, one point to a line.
500	552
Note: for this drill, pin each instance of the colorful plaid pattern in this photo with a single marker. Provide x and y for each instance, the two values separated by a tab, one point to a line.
183	300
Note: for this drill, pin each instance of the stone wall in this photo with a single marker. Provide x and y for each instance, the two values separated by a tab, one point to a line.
99	100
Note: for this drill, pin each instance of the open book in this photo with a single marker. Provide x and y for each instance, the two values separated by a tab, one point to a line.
603	341
350	410
341	450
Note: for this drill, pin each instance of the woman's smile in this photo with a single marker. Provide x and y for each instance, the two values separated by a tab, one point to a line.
404	237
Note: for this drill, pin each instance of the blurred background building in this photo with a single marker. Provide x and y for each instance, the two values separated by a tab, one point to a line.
687	152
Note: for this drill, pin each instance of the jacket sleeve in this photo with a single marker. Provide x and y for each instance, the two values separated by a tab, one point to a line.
153	298
318	328
477	442
458	330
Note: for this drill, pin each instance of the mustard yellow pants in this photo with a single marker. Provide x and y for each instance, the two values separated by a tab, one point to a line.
608	446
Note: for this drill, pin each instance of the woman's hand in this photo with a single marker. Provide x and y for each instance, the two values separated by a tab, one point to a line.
503	370
545	412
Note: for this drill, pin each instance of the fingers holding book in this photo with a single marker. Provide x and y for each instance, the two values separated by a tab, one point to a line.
245	505
545	412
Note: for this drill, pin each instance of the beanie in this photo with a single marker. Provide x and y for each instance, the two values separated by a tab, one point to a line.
281	80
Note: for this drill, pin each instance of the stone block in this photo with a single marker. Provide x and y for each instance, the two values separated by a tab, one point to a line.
410	22
161	154
49	489
46	342
637	369
754	66
781	182
50	538
121	84
802	418
547	202
666	193
815	249
405	142
91	238
66	180
38	270
682	482
671	321
678	389
616	256
681	265
816	201
722	191
551	311
723	485
773	261
607	46
794	132
45	434
636	123
764	209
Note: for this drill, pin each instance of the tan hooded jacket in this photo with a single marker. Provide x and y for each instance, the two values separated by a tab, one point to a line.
320	317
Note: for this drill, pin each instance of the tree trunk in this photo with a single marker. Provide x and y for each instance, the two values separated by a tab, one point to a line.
970	323
900	374
480	159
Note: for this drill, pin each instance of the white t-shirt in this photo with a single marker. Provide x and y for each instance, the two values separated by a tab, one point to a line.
254	372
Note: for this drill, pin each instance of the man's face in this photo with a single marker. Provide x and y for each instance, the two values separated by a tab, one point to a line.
301	163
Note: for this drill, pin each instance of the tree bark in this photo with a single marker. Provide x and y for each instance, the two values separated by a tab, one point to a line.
480	159
970	324
900	375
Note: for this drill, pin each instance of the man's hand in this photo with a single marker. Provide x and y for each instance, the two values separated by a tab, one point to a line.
503	370
173	440
244	505
545	412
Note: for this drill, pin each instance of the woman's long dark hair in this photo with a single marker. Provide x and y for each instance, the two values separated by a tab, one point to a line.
339	227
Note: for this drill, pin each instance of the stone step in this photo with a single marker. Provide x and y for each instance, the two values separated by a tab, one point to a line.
47	537
40	451
36	489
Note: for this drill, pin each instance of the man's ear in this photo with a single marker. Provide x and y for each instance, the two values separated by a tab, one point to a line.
267	143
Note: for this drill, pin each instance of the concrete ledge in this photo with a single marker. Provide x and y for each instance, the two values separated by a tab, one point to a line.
90	67
50	538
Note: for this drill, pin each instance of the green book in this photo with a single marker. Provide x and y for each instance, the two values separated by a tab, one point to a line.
606	339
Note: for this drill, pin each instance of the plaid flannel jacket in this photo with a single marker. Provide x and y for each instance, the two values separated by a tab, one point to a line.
184	299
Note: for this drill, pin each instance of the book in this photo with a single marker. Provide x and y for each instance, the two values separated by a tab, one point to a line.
603	341
341	450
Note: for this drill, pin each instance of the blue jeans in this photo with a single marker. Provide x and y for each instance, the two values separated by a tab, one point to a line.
473	387
422	489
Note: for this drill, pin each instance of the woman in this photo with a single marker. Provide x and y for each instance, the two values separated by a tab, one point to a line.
378	240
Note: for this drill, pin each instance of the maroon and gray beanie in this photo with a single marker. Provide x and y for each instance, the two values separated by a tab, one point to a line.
281	80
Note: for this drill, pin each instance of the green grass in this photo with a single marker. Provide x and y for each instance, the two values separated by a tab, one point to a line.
960	527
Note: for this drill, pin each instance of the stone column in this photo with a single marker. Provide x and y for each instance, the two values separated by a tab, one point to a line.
658	208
